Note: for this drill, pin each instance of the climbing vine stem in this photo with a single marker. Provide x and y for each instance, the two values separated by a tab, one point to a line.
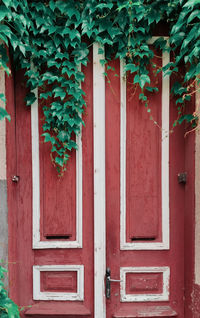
51	39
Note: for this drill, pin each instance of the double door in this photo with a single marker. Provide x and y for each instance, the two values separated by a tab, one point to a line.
105	240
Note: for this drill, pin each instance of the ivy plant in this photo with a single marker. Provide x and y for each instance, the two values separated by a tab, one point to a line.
8	309
51	40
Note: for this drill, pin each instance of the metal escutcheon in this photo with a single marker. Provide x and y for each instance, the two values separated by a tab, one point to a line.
15	179
108	281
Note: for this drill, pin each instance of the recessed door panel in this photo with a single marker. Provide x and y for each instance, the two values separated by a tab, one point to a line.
143	162
58	197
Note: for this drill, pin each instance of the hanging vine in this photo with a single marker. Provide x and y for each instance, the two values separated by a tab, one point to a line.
50	40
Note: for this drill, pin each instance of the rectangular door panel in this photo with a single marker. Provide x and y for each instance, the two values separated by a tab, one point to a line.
143	165
57	201
58	197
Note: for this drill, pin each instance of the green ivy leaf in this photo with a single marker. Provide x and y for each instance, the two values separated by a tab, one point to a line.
141	80
59	161
7	3
131	67
4	114
30	99
63	136
59	92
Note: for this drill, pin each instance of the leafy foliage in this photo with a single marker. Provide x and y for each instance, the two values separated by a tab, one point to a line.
50	40
8	309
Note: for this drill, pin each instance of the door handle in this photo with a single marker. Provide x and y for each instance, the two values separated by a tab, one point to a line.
108	281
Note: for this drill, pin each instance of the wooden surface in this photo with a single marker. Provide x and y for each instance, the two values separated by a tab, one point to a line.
143	172
21	255
59	309
143	202
146	311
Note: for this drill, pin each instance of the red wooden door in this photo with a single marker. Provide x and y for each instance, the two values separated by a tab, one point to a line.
50	218
144	201
119	206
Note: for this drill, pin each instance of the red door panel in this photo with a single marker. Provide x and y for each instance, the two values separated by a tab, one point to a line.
51	281
58	195
151	277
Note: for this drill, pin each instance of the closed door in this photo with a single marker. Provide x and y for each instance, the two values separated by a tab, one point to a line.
105	240
144	239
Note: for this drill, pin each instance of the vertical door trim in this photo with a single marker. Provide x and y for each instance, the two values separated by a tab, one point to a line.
99	183
164	244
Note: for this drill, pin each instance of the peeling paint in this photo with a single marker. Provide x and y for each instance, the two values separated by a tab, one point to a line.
195	306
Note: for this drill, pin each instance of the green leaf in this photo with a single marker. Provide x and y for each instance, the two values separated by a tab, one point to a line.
142	97
191	3
131	67
141	80
105	5
4	114
100	51
188	118
193	15
3	98
30	99
3	12
59	161
45	95
63	136
74	34
59	92
152	89
7	2
49	138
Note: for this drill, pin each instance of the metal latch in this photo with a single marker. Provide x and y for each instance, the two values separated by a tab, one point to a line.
108	280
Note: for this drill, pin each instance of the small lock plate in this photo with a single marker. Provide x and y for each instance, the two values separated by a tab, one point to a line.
182	177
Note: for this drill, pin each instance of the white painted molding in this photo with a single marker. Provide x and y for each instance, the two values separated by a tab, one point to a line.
99	184
164	296
37	243
164	244
40	295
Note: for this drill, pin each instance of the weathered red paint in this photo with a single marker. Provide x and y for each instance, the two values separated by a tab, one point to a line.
20	210
143	170
144	176
11	187
53	190
194	305
189	224
137	283
58	310
146	311
59	281
143	182
143	195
